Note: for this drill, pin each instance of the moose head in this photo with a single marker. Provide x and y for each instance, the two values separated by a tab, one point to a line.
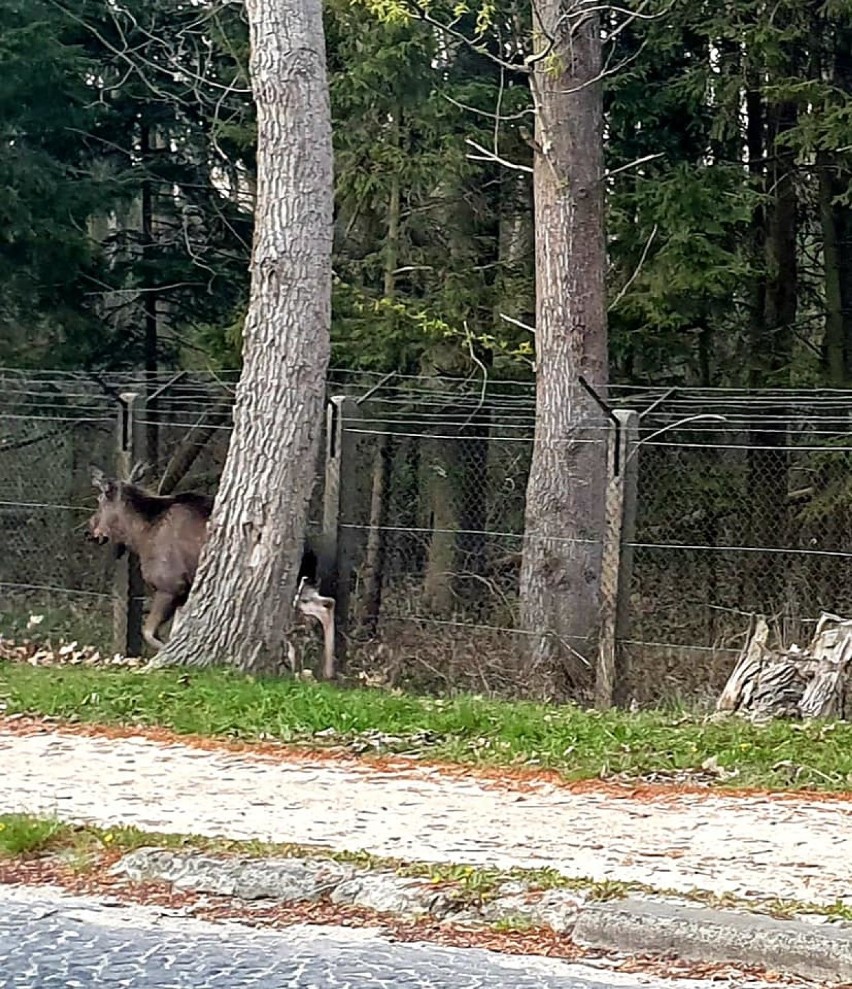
108	524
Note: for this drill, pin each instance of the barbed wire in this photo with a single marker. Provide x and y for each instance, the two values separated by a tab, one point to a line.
44	504
770	550
32	417
801	448
715	538
52	589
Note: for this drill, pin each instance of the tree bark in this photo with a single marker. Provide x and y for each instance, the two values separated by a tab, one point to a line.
241	605
441	464
149	298
797	683
772	357
560	572
370	602
836	220
835	223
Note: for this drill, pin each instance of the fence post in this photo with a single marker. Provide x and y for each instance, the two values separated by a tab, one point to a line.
127	588
343	499
617	557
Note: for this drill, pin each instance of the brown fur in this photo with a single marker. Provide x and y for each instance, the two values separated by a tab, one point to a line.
168	534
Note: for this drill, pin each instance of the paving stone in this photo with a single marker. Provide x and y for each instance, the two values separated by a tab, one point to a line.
49	939
757	847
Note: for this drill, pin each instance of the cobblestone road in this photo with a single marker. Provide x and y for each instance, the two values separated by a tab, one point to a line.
749	846
50	940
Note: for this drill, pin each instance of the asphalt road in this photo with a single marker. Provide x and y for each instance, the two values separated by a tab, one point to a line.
51	940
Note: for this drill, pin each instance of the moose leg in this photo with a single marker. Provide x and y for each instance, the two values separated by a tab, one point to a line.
162	608
311	602
293	661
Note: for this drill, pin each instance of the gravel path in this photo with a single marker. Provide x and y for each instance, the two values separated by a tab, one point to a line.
49	940
749	846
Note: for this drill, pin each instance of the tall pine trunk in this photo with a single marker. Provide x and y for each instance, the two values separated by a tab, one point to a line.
773	326
835	178
560	571
240	608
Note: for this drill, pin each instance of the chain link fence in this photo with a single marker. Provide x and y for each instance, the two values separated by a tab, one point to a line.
742	506
438	522
49	428
744	510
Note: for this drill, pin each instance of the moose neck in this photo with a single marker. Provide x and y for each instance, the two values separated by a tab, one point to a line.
134	533
140	512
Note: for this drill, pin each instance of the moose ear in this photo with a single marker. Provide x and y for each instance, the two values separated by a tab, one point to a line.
138	472
100	481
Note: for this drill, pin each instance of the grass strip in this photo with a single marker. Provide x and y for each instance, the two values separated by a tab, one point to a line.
579	744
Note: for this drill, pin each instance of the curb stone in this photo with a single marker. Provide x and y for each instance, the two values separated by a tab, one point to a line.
819	952
246	878
305	879
634	925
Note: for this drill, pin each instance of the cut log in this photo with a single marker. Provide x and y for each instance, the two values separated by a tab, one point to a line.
792	683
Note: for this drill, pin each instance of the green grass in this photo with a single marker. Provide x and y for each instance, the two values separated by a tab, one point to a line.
24	836
579	744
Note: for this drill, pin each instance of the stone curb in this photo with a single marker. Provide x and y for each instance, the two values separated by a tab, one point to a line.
648	926
821	952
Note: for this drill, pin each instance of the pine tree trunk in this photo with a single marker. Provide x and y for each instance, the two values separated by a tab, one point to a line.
836	219
240	608
441	462
149	298
772	357
369	605
560	572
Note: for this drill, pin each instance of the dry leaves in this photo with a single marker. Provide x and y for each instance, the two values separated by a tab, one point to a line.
62	654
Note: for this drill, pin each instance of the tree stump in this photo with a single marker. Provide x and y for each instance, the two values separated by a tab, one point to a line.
792	683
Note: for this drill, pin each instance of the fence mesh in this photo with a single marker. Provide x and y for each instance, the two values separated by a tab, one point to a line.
742	506
745	510
451	464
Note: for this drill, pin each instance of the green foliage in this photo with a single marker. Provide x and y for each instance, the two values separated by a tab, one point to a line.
50	185
431	245
87	131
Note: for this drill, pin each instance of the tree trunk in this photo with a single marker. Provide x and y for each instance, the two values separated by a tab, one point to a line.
441	463
772	356
797	683
149	299
560	572
831	220
192	445
370	602
836	220
240	608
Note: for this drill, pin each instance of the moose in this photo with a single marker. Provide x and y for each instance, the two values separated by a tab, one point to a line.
167	533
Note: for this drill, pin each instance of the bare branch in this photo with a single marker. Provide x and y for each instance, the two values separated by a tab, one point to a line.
518	322
631	164
502	118
481	365
625	288
480	49
486	155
